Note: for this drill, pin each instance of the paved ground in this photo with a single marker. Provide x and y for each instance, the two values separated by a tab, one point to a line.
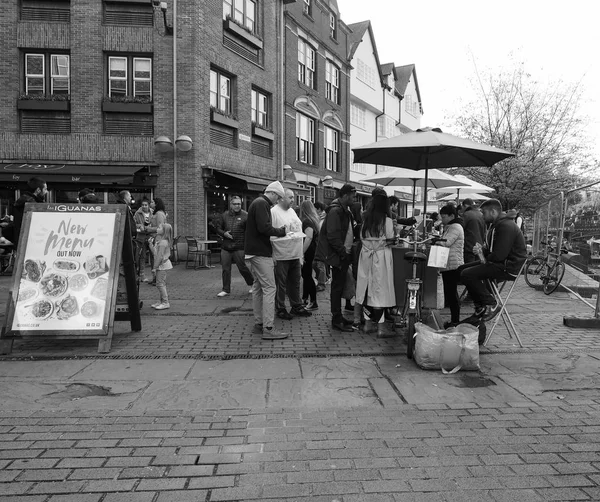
195	408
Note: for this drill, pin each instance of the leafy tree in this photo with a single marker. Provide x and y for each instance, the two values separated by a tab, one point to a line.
540	123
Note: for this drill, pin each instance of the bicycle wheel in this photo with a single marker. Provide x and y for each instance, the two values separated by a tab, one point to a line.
410	334
533	271
553	278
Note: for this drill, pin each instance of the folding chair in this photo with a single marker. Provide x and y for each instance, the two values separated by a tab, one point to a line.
496	290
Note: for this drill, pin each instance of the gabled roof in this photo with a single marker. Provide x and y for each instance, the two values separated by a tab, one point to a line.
403	74
355	37
387	68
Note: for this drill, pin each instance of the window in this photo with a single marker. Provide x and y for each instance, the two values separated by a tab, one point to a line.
366	74
128	13
130	76
332	82
359	168
358	116
220	92
242	12
306	64
332	26
47	74
386	127
411	106
260	109
305	139
58	11
332	147
308	7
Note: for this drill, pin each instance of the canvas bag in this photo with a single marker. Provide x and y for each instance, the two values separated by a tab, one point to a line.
450	350
438	257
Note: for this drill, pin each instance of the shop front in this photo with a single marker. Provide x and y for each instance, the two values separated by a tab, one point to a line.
65	180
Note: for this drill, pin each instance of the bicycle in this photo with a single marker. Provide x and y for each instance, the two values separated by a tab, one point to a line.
411	312
539	270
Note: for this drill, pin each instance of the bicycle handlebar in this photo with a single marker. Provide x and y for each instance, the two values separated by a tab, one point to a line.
432	238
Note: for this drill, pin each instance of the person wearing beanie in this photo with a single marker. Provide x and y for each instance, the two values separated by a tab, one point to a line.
335	249
259	258
474	228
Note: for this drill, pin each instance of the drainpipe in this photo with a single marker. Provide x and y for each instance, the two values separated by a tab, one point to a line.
175	219
281	89
377	124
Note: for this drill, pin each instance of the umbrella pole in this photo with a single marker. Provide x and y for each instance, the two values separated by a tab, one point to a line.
425	198
414	195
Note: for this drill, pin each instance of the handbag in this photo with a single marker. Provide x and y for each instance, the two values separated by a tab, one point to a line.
438	257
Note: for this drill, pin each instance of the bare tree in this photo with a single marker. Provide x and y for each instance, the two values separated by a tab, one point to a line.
541	124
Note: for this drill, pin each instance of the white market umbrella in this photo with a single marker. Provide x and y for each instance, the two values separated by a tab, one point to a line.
400	177
473	196
472	188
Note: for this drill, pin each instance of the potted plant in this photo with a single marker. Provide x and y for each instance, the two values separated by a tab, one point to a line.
53	102
219	117
127	104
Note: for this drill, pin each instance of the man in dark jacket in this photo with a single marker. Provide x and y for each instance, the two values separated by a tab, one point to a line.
37	193
504	253
231	226
474	226
259	256
335	247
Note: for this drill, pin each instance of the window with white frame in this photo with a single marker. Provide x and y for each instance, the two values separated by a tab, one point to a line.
260	109
358	116
359	168
305	139
310	196
333	25
386	127
129	76
410	105
366	74
306	63
332	148
242	12
220	92
47	73
308	7
332	82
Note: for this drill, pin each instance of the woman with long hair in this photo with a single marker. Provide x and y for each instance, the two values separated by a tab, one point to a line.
162	263
310	226
158	218
454	236
375	275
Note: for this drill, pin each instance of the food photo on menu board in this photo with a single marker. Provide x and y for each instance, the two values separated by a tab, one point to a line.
64	282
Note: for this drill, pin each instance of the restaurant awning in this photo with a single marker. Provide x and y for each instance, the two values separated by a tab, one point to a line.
237	180
76	173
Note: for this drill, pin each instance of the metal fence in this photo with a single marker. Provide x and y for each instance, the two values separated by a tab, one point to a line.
573	220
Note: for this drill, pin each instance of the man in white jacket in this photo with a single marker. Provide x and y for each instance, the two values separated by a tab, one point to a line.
287	253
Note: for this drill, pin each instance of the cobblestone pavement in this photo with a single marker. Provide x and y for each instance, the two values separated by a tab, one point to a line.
442	453
201	325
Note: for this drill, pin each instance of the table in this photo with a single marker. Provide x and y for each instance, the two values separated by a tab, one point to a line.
202	258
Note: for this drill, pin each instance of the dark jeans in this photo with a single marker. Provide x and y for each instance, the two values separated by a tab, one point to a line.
338	281
238	257
473	276
309	290
451	279
287	278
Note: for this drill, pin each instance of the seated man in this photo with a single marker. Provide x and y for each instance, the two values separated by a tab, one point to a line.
503	254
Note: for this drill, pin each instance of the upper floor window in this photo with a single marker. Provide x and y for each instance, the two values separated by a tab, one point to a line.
260	109
386	127
306	63
241	11
332	82
57	11
332	25
220	92
359	168
130	76
332	148
308	7
411	106
47	73
366	74
305	139
357	116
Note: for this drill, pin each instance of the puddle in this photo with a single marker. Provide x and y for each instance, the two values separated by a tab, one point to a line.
75	391
471	381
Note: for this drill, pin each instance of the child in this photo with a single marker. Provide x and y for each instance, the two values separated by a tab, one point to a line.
162	250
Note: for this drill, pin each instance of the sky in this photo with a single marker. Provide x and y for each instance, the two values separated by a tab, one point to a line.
555	40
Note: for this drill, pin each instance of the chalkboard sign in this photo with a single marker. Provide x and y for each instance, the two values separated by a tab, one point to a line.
66	272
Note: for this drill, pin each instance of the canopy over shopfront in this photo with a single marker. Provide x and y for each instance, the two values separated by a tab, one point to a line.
80	174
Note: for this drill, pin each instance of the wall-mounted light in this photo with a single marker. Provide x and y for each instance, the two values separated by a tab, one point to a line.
163	144
288	173
184	143
163	7
327	181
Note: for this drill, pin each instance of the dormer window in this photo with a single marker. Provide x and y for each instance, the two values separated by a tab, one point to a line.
242	12
332	26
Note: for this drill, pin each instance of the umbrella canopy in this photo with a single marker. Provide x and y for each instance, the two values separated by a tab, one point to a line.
469	186
472	196
429	148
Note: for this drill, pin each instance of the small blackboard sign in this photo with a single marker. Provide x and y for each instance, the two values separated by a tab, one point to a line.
66	272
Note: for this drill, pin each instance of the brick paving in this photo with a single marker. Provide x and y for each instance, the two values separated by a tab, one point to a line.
440	452
201	325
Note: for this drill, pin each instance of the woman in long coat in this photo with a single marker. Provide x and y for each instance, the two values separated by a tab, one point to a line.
375	276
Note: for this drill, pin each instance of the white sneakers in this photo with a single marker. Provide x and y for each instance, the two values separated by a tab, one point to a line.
222	294
162	306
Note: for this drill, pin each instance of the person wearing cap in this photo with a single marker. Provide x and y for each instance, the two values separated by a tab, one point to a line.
259	258
335	249
474	229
